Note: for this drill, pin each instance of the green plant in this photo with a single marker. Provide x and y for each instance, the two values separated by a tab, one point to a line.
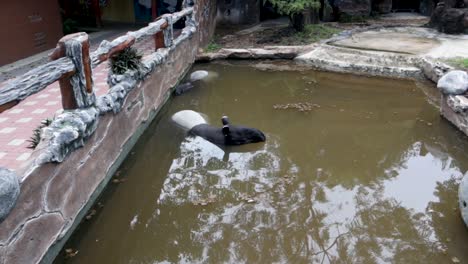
314	33
459	62
128	59
345	18
69	26
36	137
291	7
213	47
295	10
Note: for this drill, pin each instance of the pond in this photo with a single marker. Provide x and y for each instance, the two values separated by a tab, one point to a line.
354	170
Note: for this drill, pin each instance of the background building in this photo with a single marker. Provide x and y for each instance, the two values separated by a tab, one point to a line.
28	27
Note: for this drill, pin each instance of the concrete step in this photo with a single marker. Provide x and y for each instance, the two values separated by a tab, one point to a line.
373	63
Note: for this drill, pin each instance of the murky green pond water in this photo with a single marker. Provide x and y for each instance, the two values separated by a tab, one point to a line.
368	175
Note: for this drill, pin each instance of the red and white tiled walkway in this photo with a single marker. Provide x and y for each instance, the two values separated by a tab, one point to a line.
17	123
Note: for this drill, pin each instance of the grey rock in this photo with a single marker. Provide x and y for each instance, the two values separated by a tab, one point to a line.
105	104
115	79
382	6
449	20
129	76
268	52
198	75
9	192
350	10
433	70
463	198
118	93
453	21
458	103
453	83
67	132
121	86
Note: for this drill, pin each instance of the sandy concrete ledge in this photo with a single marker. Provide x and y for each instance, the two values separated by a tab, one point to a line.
371	63
455	109
266	53
395	51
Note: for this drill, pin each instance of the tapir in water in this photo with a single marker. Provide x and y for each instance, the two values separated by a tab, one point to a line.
226	135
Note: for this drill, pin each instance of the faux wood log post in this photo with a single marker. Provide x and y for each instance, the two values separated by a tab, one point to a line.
126	43
76	88
159	37
168	31
66	89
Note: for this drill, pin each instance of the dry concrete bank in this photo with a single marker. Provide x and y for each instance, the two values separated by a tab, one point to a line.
54	197
399	52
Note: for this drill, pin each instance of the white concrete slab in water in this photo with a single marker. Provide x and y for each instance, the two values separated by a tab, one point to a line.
198	75
384	40
202	75
463	198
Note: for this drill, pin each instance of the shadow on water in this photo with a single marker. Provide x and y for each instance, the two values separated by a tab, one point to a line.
369	175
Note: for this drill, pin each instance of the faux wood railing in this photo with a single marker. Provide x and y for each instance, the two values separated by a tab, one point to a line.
72	63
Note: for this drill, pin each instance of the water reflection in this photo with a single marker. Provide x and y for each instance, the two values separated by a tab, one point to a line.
202	171
275	214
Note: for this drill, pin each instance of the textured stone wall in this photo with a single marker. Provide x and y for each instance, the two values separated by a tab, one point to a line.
54	197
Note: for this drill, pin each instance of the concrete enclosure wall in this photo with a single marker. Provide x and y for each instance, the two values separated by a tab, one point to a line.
238	11
31	26
54	197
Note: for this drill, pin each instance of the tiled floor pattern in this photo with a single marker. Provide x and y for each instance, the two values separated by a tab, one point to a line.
17	124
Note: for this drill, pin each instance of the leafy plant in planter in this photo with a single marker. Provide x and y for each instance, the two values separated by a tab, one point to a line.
300	12
128	59
36	137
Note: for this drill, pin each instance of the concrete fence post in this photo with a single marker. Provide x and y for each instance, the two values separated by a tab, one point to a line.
76	88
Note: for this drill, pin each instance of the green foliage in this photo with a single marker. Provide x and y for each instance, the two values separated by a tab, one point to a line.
36	137
213	47
69	26
314	33
128	59
459	62
345	18
290	7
